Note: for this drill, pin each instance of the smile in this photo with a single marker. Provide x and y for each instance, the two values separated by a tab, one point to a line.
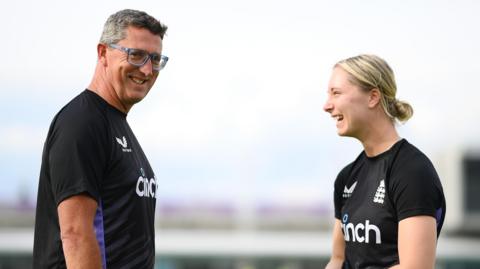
338	117
138	80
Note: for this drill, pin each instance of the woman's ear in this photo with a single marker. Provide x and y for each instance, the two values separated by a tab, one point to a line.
375	97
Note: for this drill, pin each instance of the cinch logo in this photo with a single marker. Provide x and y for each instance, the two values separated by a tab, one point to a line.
146	187
361	232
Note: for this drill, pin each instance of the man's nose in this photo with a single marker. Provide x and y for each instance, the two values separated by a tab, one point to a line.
147	68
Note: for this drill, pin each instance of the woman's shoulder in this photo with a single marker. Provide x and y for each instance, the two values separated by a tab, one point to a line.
412	166
410	156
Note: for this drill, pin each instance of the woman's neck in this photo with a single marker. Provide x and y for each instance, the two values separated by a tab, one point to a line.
380	138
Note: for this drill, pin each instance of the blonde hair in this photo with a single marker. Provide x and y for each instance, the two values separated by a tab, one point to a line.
369	72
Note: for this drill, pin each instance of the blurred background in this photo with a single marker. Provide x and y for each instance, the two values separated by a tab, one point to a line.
234	127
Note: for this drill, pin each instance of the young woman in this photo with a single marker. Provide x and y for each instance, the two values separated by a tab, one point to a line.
389	202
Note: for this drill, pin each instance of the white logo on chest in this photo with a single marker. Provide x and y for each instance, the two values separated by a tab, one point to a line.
146	187
360	232
123	143
347	192
380	193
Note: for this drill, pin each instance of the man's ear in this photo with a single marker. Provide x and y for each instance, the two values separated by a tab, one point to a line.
375	97
102	54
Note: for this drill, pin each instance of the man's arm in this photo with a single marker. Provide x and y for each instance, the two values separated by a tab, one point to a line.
338	251
417	239
80	247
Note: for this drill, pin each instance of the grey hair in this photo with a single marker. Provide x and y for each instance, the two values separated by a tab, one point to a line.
116	24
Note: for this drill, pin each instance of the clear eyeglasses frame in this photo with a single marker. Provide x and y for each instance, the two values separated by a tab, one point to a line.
139	57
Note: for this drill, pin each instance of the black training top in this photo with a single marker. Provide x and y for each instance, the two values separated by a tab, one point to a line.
373	194
91	149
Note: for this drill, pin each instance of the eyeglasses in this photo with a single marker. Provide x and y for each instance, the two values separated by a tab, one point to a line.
139	58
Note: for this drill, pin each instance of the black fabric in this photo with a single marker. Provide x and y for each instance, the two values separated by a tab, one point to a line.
372	194
90	149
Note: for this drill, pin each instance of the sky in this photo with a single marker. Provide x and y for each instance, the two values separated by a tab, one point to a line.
236	116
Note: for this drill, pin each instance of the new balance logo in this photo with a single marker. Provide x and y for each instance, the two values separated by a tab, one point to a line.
123	143
380	193
347	192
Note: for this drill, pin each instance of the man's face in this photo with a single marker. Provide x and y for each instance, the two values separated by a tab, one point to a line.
131	83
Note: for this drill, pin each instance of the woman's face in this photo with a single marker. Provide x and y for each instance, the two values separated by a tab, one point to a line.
347	104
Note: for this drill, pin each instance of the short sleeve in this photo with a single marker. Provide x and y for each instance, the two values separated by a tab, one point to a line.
415	187
338	199
77	154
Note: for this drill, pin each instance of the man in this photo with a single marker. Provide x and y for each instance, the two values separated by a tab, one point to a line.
97	191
